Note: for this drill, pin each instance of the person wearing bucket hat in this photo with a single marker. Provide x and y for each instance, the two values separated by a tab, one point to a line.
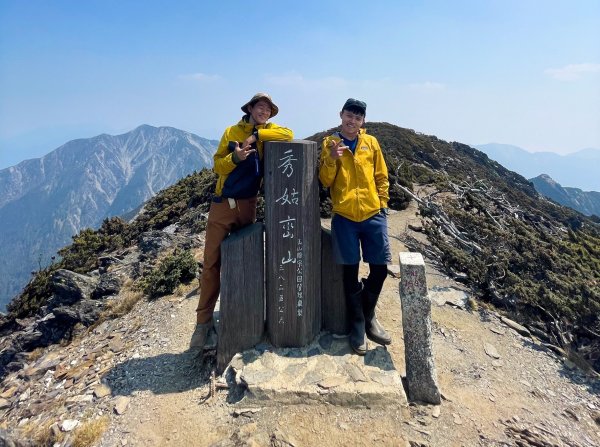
258	97
238	162
353	168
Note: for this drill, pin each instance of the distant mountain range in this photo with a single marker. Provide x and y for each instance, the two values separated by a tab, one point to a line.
577	170
45	201
582	201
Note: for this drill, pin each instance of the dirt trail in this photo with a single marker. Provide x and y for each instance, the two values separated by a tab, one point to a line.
527	393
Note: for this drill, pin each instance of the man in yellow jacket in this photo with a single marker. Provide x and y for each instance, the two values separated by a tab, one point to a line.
353	168
239	164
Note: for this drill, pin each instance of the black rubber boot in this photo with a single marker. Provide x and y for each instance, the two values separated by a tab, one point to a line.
357	322
374	329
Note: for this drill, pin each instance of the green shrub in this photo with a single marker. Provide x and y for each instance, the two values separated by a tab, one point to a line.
34	295
180	267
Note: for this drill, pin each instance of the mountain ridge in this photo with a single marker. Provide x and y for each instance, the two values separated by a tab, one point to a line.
574	170
47	200
586	202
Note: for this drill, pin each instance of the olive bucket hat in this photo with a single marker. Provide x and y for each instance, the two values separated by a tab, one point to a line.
258	97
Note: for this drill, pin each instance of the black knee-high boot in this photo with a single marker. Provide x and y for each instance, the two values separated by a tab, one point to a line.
353	292
373	327
357	321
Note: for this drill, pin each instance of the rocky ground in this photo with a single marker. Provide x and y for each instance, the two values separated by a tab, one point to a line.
131	381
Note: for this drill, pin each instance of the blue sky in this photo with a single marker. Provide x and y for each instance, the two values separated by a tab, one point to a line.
520	72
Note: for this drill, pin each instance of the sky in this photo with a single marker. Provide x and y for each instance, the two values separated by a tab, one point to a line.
518	72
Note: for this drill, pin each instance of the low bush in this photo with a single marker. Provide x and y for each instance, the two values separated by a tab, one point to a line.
180	267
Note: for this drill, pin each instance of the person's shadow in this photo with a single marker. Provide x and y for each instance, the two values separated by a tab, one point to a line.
179	372
162	374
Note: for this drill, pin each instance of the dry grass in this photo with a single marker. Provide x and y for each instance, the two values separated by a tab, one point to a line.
90	431
180	290
35	354
123	304
135	325
472	304
183	290
128	283
41	434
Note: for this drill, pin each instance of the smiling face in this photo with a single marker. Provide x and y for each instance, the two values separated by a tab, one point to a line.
260	112
351	124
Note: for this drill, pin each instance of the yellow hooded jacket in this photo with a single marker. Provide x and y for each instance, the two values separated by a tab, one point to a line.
223	158
358	182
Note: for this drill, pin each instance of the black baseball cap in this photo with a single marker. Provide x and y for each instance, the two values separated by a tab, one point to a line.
354	105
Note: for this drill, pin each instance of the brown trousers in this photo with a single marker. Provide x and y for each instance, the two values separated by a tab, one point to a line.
222	220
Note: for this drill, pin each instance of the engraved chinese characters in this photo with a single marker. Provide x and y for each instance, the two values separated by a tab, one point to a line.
293	242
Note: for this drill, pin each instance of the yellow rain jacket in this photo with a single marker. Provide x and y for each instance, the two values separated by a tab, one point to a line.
358	182
223	158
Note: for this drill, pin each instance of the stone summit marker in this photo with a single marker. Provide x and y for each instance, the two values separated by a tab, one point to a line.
297	363
421	375
293	243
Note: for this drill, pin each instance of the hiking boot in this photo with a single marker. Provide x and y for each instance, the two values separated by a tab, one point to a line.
357	322
200	335
374	330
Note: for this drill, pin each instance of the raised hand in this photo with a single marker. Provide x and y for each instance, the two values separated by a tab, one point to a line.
337	149
241	153
248	141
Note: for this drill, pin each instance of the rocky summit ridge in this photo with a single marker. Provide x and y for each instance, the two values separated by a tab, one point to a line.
130	380
94	352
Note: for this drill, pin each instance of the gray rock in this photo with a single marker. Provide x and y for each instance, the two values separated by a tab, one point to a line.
346	380
7	439
121	404
102	390
516	326
69	424
332	382
85	311
104	262
153	242
421	374
355	373
394	270
28	340
491	350
70	287
109	284
449	295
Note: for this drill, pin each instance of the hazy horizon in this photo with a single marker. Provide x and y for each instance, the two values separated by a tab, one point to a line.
6	163
465	71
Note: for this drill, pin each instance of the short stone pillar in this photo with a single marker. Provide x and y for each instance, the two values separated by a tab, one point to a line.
421	375
293	242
